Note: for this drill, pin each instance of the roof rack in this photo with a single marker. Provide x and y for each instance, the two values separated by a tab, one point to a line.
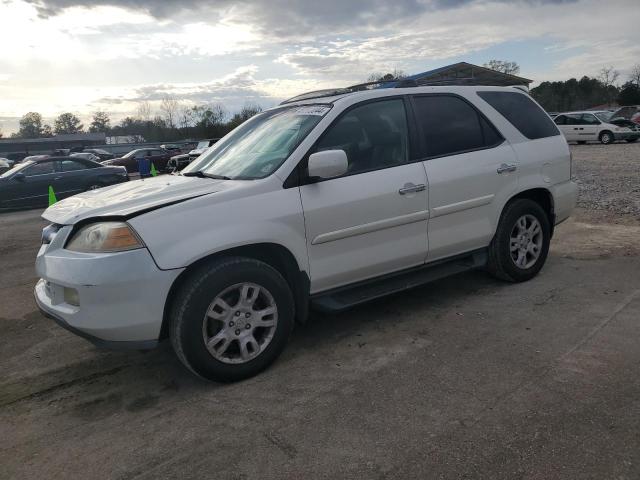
395	83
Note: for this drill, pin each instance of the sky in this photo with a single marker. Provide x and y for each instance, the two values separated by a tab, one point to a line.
83	56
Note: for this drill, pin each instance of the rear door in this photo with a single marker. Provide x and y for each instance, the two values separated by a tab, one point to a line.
470	169
372	220
573	127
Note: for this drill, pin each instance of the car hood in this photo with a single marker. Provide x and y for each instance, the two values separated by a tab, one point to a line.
197	151
126	199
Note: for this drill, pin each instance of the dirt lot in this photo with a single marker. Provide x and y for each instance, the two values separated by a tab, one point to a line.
465	378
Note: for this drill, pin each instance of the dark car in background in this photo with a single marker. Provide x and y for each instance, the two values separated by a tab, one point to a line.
178	162
101	154
158	156
27	184
5	164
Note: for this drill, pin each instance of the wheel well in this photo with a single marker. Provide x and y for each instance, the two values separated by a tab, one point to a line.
273	255
605	131
542	197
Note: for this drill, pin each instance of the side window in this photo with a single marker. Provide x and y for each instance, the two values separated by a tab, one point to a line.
573	119
560	120
450	125
373	136
589	119
41	168
522	113
71	165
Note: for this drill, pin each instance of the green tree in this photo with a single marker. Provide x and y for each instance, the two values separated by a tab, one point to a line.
67	123
30	126
100	123
510	68
629	94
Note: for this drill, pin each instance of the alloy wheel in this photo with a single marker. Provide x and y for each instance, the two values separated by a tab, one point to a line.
525	242
240	323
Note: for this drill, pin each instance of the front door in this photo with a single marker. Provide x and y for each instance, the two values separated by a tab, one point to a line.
372	220
32	190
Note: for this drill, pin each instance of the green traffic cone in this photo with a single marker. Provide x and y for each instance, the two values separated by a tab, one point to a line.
154	172
52	196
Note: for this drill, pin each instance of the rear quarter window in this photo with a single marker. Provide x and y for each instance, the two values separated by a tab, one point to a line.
522	113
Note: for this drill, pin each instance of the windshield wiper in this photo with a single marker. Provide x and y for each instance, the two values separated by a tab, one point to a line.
201	174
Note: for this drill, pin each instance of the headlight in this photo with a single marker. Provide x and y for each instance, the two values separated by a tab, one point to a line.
105	237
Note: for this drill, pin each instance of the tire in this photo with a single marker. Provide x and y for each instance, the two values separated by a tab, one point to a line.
501	263
606	137
199	296
632	140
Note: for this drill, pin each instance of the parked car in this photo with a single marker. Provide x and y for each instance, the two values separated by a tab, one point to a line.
17	157
86	156
630	112
178	162
324	202
587	126
102	154
27	184
5	165
157	156
171	148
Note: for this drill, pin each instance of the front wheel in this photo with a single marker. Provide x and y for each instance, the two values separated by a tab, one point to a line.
606	138
231	319
521	243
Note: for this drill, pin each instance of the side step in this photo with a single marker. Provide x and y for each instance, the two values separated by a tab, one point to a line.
346	297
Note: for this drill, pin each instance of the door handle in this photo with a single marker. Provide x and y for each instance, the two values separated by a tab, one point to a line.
412	188
507	168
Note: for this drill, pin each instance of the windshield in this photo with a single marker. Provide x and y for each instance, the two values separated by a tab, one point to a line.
202	145
604	116
132	153
16	168
259	146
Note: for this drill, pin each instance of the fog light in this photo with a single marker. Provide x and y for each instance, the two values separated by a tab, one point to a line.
71	296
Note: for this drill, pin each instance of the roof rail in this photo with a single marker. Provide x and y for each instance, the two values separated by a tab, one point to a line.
396	83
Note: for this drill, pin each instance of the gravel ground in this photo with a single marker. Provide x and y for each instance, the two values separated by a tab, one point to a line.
609	180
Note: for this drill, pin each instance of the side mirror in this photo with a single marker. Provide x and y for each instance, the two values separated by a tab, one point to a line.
19	177
328	164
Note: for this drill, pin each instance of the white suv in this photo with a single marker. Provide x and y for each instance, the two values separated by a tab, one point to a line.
587	126
325	202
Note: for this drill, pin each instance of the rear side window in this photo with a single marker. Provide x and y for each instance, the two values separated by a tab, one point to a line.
71	165
449	125
522	113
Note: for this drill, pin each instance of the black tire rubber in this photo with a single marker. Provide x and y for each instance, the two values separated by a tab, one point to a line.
500	264
97	185
198	291
612	139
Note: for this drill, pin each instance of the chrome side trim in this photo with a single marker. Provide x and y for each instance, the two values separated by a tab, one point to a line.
371	227
460	206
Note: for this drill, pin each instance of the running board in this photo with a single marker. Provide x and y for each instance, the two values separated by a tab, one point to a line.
346	297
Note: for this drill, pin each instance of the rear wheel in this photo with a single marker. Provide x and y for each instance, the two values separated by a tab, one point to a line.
520	246
606	137
231	319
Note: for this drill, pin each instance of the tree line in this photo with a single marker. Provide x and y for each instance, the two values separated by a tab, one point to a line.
174	121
